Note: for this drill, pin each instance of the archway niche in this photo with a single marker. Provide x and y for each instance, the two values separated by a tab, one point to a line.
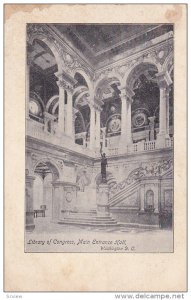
42	80
145	105
46	174
107	92
81	109
149	201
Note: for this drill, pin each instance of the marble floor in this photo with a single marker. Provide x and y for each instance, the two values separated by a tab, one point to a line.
52	237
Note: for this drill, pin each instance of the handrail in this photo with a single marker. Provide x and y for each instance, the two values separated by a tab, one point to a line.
129	190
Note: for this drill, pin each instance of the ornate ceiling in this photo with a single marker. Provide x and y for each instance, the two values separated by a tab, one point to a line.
99	44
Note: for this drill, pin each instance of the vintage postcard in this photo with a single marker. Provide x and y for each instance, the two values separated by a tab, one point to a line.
95	101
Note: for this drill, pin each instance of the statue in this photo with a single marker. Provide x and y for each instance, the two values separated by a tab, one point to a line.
103	167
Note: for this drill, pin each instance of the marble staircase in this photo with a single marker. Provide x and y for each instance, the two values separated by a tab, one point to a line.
88	218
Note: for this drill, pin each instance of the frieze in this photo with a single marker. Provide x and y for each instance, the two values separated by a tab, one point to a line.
151	170
64	84
36	29
67	61
157	55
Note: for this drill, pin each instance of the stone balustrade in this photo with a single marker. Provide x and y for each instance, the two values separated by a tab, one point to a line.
37	130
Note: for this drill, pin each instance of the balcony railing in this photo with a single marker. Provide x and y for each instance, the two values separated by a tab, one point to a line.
36	130
138	147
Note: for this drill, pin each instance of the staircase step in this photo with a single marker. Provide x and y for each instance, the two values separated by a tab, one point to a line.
87	217
91	221
85	223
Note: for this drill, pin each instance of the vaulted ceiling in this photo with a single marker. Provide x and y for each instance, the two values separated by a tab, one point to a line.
98	44
103	43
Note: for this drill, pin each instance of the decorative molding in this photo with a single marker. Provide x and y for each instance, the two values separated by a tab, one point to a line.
152	170
153	55
150	51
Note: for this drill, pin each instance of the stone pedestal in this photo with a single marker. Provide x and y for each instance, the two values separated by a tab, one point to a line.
102	197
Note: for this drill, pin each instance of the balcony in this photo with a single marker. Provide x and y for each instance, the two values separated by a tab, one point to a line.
138	148
37	131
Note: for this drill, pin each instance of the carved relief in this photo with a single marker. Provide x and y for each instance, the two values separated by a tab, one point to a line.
150	170
36	29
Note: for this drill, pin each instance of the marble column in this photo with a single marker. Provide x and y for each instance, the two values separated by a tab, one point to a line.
151	128
29	218
92	126
61	109
126	134
69	118
129	133
98	128
164	82
43	189
123	118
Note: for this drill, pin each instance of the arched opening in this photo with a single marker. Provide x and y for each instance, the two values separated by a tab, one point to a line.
43	82
45	175
80	80
149	201
82	110
107	92
145	107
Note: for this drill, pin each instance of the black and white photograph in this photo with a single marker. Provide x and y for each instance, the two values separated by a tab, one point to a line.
99	138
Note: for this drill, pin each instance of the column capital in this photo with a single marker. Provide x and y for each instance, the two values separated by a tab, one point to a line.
92	106
96	105
65	81
65	85
126	93
163	79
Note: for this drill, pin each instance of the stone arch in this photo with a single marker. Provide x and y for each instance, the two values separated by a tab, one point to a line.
149	199
128	79
82	72
82	120
79	89
106	79
80	96
42	36
55	107
168	63
50	101
103	82
35	96
52	165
